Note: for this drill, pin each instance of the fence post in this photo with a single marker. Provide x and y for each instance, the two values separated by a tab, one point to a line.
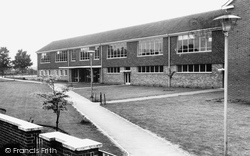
100	98
95	96
104	99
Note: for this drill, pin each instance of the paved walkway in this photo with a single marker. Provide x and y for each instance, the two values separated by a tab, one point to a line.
130	137
167	95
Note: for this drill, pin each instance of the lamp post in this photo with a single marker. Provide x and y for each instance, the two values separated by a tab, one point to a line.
227	22
91	52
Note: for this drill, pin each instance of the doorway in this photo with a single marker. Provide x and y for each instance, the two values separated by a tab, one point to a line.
127	78
127	75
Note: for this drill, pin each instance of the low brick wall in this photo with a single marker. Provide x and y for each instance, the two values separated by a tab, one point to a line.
19	137
18	132
62	144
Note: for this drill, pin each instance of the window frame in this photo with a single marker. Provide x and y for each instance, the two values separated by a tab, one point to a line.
118	53
144	47
194	37
62	56
85	53
113	70
194	67
97	53
158	69
43	60
73	52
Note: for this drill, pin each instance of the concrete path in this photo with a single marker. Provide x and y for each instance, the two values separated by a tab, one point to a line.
167	95
130	137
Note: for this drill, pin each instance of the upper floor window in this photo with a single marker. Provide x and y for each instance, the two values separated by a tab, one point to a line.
97	53
117	50
61	56
150	47
73	54
201	42
45	58
84	55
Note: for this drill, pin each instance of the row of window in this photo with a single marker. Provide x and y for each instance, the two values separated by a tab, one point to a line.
53	72
197	42
62	56
199	68
114	70
150	69
192	68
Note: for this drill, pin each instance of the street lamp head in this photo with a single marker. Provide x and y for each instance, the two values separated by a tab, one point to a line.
227	21
91	52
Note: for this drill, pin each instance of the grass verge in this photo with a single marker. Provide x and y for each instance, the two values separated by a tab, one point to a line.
19	100
193	122
118	92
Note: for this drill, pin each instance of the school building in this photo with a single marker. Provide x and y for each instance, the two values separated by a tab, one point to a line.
191	46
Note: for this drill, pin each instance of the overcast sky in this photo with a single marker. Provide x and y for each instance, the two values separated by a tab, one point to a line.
32	24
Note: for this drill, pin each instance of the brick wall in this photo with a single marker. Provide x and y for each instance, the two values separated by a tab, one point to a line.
214	57
239	53
28	141
199	80
149	79
192	80
66	145
113	78
19	132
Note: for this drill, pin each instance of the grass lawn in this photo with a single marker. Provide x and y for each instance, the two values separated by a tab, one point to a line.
117	92
193	122
19	100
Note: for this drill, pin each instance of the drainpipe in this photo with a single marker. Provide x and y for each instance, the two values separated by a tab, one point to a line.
68	66
101	65
169	59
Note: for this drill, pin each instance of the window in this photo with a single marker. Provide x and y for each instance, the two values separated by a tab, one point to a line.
194	68
61	72
42	73
65	72
150	69
201	42
114	70
61	56
118	50
84	55
45	58
97	53
150	47
73	54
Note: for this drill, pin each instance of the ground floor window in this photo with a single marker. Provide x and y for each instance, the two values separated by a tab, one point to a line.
150	69
194	68
114	70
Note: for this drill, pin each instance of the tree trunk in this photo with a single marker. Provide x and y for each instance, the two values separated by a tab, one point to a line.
57	119
169	82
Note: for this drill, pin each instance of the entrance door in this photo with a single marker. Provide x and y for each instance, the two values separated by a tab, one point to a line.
127	78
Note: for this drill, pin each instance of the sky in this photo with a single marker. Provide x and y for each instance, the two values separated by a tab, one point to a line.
32	24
